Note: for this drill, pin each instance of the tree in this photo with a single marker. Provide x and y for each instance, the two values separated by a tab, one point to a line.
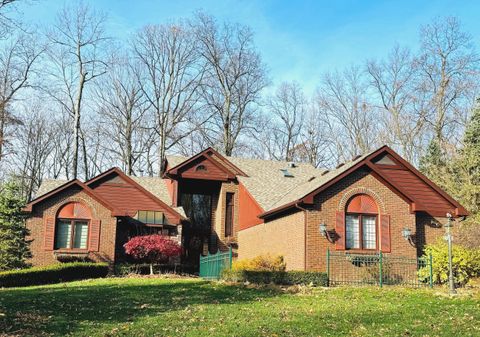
17	58
152	249
288	108
77	39
403	117
449	65
433	160
234	79
33	148
14	248
343	102
169	81
466	167
122	106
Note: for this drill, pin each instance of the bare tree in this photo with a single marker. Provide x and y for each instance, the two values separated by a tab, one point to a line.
122	106
344	104
17	59
315	145
170	80
33	147
287	108
76	40
450	65
234	80
394	81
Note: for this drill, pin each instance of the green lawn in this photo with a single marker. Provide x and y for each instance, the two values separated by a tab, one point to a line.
160	307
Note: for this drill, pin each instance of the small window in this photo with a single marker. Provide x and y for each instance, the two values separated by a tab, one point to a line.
229	209
201	168
150	217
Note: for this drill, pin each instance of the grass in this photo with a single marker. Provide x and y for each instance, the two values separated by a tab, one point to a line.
166	307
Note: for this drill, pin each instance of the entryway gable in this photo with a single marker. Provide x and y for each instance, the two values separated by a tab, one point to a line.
206	165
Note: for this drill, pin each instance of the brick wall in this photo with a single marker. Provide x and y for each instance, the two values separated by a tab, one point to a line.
335	197
219	215
429	230
50	207
285	236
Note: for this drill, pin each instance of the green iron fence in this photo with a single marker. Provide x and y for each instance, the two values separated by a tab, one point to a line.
378	269
212	265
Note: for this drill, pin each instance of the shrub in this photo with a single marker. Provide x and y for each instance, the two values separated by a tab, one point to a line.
261	263
466	263
61	272
152	249
276	277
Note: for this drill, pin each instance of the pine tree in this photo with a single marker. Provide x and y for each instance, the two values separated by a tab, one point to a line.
433	161
14	248
467	167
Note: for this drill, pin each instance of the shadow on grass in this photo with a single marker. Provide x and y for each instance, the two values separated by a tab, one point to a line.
62	309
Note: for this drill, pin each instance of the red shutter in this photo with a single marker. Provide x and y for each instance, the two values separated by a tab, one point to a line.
49	234
340	230
385	233
94	236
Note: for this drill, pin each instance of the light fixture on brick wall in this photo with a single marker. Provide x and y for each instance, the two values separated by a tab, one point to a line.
322	228
406	233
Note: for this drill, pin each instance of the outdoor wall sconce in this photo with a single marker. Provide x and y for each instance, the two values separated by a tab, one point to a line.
406	233
324	232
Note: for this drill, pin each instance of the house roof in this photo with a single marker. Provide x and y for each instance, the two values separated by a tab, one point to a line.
275	192
176	214
155	187
221	168
63	186
264	179
402	178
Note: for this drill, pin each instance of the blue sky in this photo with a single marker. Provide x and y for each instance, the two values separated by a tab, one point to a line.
298	40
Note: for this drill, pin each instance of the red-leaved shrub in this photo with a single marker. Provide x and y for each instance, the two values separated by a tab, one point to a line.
152	249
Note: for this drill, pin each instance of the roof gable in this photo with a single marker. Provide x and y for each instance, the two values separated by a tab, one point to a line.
129	196
66	186
392	170
208	165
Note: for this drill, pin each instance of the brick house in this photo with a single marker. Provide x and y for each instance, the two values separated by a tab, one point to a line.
209	202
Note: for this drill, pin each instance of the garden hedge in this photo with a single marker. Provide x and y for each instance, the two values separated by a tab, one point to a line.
60	272
277	277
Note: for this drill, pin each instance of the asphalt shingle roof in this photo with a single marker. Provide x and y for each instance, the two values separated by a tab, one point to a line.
265	180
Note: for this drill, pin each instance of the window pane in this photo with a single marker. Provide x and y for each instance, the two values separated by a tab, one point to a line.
369	232
158	218
150	217
81	235
352	231
63	234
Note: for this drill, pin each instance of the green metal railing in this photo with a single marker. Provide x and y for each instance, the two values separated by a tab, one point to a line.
212	265
378	269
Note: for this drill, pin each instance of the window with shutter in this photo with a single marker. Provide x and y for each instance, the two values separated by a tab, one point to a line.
71	227
361	223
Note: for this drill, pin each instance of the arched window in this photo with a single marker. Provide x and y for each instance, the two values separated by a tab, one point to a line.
72	224
361	223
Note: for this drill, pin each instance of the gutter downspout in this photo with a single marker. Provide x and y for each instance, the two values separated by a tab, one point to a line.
305	236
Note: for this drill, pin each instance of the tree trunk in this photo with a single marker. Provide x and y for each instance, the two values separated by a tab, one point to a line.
151	268
128	154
